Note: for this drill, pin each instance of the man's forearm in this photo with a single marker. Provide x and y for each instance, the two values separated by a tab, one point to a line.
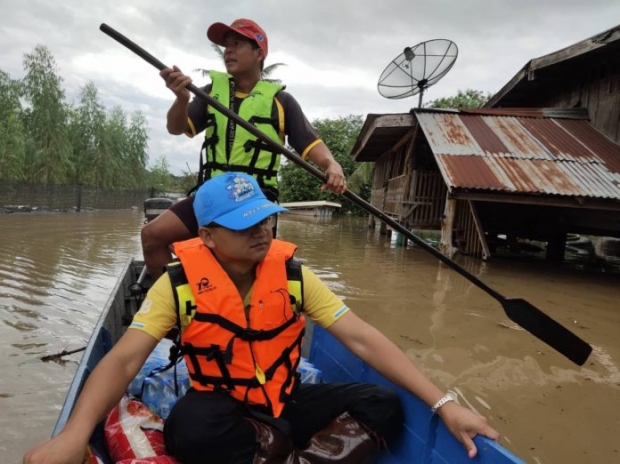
177	117
108	382
378	351
321	156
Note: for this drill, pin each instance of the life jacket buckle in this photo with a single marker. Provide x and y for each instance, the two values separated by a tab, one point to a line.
253	335
249	145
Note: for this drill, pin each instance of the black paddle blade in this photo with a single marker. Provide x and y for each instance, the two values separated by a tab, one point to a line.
546	329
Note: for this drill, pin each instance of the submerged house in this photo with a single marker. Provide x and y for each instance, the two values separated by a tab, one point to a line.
542	160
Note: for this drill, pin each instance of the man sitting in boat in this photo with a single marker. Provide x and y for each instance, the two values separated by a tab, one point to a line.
241	299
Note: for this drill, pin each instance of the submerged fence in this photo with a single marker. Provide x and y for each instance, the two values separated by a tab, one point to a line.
20	196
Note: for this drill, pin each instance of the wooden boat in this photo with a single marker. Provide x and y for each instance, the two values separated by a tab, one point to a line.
425	440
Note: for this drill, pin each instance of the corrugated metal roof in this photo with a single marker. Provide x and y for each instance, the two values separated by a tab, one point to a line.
522	154
564	113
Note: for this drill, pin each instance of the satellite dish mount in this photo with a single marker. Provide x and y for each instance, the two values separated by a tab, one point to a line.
417	68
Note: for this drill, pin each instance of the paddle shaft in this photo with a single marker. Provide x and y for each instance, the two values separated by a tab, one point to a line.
520	311
303	164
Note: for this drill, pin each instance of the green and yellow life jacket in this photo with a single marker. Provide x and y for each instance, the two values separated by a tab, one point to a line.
230	148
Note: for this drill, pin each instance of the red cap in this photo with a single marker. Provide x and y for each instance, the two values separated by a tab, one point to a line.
245	27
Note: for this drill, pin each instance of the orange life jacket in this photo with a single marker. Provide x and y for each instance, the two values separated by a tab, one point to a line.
253	358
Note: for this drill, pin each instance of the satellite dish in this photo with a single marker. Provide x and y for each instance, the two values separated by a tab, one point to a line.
417	68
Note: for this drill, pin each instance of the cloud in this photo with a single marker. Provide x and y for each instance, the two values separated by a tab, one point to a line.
334	50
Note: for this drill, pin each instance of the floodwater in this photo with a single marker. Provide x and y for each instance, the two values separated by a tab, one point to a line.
56	272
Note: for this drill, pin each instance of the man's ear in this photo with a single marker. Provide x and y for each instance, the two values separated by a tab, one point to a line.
206	236
261	54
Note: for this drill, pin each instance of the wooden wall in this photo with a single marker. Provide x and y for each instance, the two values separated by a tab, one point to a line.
595	87
408	186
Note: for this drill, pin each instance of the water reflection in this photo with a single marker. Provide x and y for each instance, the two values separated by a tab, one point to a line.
462	337
56	272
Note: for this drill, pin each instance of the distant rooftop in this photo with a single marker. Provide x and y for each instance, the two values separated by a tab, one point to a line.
311	204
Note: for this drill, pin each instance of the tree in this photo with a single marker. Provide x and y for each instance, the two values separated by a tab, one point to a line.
339	135
160	177
46	118
12	148
109	166
10	92
265	73
47	140
137	145
86	127
12	133
468	98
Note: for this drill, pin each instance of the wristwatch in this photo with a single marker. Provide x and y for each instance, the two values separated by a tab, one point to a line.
446	399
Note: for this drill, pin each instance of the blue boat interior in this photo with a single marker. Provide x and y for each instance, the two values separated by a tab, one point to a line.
425	440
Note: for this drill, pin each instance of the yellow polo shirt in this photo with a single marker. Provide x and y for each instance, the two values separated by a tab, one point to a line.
157	315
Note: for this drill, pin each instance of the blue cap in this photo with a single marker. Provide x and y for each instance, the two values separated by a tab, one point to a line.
233	200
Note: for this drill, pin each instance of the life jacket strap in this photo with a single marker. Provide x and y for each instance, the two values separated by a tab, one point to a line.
244	333
256	146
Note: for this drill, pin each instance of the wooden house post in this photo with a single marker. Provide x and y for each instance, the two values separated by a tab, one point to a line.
486	253
556	248
447	225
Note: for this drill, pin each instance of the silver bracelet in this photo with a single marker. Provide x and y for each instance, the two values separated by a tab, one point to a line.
446	399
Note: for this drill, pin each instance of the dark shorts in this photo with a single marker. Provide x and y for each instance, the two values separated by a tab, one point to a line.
213	424
184	210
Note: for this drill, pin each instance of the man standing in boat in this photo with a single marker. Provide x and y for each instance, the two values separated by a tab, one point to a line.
230	148
240	299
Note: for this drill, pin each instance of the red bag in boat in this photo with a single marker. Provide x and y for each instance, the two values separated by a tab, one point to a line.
134	433
153	460
91	457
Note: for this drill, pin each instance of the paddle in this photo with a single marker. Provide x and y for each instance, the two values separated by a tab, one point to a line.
518	310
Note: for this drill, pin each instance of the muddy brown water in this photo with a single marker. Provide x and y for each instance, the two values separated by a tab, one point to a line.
56	272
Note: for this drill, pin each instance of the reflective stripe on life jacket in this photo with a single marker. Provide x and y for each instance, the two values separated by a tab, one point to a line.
252	358
230	148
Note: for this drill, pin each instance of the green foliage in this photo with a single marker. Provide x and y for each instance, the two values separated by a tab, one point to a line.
47	117
361	179
469	98
339	135
86	126
159	177
49	141
186	181
10	91
12	132
12	148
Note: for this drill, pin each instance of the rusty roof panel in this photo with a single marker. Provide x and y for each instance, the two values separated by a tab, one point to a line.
528	176
517	139
446	133
487	139
523	155
558	141
605	149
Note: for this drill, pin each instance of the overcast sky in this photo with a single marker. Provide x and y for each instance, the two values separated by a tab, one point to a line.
335	50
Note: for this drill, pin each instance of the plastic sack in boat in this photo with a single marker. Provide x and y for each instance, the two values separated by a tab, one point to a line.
132	431
155	385
309	373
158	358
159	392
